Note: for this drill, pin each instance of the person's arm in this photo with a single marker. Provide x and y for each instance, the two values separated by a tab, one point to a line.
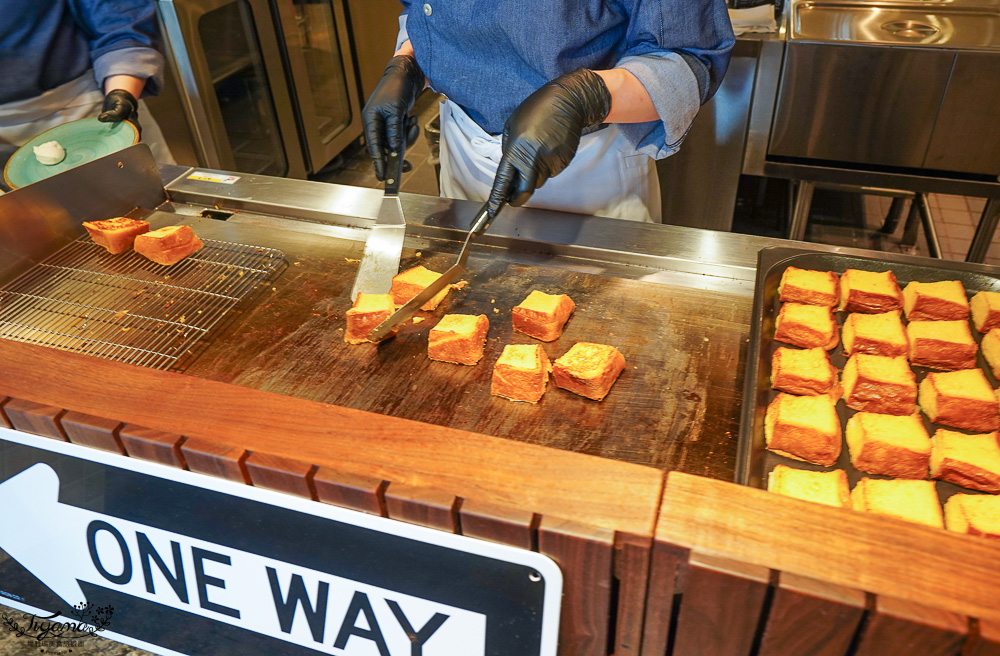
124	40
630	102
134	85
405	48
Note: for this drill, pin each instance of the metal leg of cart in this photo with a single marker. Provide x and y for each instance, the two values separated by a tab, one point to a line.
800	215
927	219
920	214
893	216
985	230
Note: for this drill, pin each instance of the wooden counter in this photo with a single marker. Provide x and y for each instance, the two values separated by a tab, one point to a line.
654	564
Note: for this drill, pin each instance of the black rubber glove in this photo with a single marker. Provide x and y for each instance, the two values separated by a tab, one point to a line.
542	135
120	105
386	114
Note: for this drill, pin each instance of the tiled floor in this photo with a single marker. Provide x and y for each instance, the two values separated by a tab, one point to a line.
955	220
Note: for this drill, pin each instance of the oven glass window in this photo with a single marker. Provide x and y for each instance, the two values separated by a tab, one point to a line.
239	79
317	34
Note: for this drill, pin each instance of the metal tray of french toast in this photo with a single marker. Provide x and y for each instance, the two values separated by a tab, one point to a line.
754	462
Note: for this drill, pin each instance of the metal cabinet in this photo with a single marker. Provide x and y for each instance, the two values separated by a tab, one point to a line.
868	105
887	83
966	135
321	75
233	85
269	86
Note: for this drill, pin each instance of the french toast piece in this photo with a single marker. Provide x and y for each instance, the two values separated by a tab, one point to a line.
803	427
946	345
542	315
908	499
809	287
409	283
804	371
588	369
807	326
369	311
960	399
936	301
869	292
829	488
875	334
521	373
116	235
890	445
875	383
991	350
986	311
168	245
973	514
458	338
972	461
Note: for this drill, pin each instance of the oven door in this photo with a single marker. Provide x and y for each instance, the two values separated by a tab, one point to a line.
322	74
233	85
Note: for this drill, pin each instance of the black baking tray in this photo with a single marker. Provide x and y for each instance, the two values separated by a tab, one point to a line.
753	461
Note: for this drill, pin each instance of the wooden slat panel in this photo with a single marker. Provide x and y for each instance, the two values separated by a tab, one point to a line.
591	490
207	457
631	567
349	490
668	565
420	505
987	640
488	521
721	607
151	444
811	617
584	554
95	432
880	555
37	418
904	628
281	474
4	422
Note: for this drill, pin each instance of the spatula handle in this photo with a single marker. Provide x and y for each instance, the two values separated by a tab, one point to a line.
393	172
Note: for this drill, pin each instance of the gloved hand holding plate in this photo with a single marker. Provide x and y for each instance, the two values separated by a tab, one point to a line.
83	141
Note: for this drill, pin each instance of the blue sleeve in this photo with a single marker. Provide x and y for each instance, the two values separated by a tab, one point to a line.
402	36
679	50
124	39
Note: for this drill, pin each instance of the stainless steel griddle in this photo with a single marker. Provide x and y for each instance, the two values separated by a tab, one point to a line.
676	301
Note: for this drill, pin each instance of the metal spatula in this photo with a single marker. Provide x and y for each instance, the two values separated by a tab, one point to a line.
479	225
385	244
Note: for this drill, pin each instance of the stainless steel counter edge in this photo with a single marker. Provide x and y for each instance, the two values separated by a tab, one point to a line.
652	246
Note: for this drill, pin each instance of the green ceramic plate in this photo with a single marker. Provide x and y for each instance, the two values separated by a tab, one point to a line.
84	140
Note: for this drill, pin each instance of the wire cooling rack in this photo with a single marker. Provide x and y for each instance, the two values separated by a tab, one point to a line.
125	307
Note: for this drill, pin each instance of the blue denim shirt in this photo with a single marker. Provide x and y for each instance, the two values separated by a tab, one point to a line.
489	55
46	43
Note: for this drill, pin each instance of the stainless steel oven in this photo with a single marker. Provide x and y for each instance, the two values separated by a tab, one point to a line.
268	85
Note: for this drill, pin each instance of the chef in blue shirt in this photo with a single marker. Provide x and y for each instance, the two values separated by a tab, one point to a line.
64	60
559	104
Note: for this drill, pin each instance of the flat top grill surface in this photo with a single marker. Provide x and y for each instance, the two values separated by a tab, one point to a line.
675	407
125	307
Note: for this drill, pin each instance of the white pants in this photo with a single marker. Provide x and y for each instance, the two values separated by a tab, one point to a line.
605	178
22	120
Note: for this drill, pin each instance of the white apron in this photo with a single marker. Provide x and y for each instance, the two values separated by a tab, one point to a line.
22	120
606	177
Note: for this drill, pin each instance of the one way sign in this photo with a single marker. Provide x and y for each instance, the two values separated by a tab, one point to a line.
195	565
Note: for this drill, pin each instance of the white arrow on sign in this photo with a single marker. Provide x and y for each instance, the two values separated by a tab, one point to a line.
314	609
